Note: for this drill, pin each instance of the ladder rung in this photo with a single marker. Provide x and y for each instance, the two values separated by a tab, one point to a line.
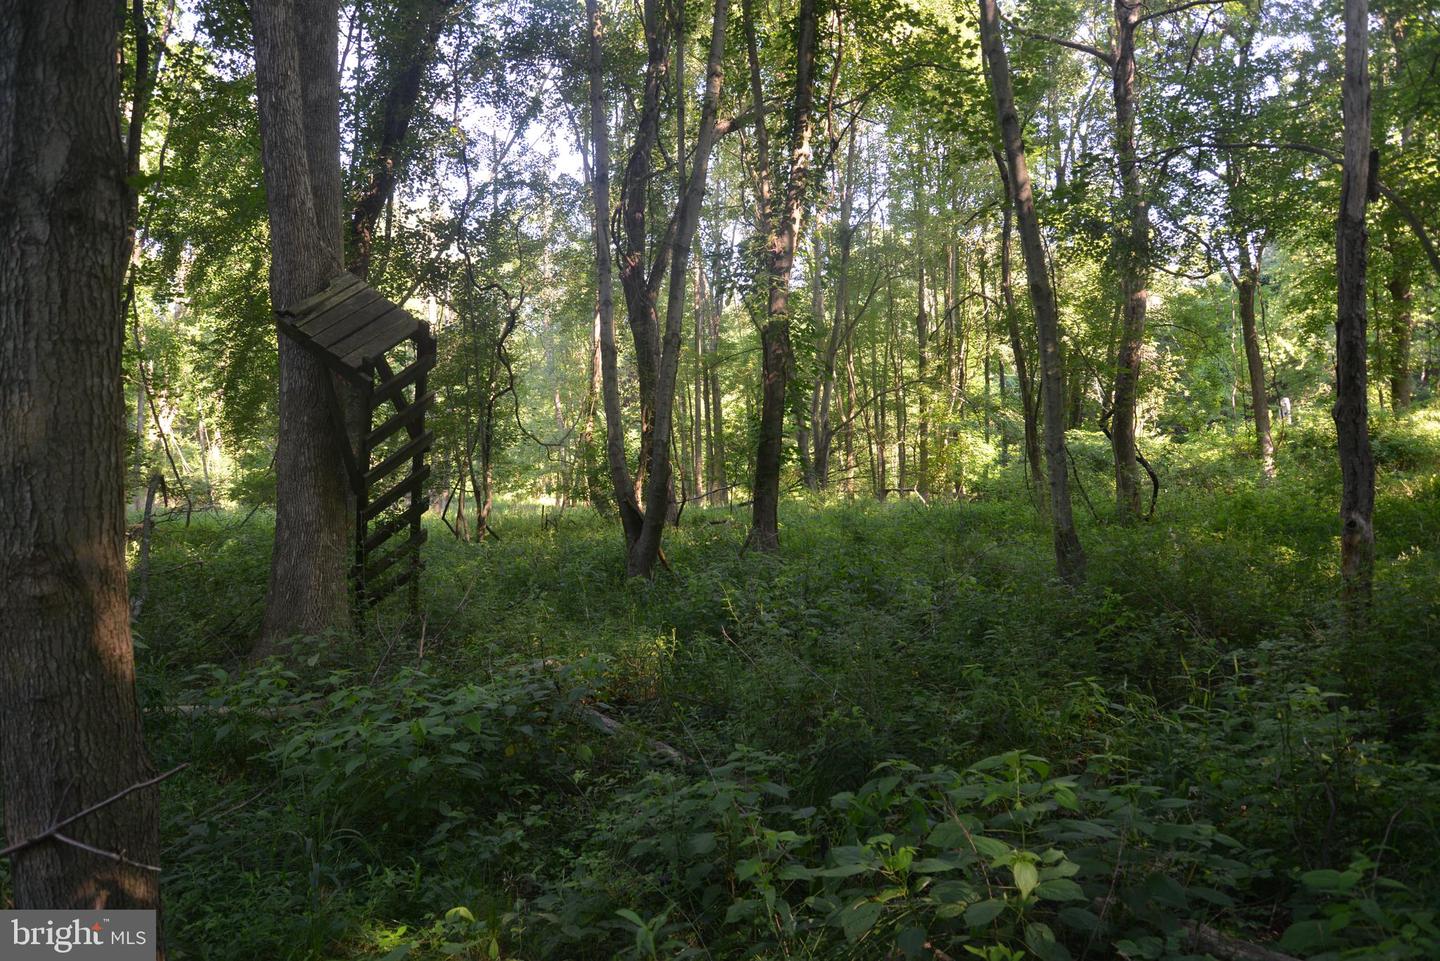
392	387
405	486
383	533
374	570
417	446
407	414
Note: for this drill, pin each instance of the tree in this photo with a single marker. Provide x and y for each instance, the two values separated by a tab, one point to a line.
70	733
406	52
1352	416
297	81
657	356
1069	555
781	228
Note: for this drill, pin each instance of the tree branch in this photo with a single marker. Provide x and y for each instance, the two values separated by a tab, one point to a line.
1177	8
1104	56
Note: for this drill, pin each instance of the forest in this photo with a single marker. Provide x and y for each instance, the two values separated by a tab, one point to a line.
886	480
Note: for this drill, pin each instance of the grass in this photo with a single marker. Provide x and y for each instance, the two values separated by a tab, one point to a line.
375	800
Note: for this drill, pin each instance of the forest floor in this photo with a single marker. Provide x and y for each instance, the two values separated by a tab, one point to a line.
898	738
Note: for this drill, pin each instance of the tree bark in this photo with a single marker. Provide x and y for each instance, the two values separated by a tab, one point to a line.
1402	301
1012	324
1133	249
1357	465
297	83
622	487
1246	287
70	733
1069	555
782	237
684	222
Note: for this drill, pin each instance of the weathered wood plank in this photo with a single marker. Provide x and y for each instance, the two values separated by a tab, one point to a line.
395	523
408	414
375	594
374	568
333	311
342	284
393	387
353	324
381	336
416	446
405	486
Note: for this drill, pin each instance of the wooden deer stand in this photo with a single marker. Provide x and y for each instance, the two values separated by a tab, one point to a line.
350	328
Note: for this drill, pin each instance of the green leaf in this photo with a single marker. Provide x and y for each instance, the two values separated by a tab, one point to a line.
1026	877
992	848
1329	880
1302	936
1081	919
859	918
631	916
911	941
702	843
950	892
1059	889
933	866
983	912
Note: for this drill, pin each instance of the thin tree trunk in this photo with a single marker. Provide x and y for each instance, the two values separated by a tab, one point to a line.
780	259
1134	263
1246	288
1069	556
1012	323
404	57
1357	465
622	486
70	733
1402	301
681	234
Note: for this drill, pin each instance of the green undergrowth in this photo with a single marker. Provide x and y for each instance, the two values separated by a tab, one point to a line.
899	735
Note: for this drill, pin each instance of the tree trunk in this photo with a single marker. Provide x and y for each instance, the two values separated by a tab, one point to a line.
1012	323
404	57
297	79
622	486
1134	263
1069	556
1357	465
683	224
1402	300
70	733
780	259
1245	289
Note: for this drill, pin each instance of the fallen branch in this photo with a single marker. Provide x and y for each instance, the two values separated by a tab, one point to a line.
1207	940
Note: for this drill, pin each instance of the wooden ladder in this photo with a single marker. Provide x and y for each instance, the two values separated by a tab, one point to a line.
352	329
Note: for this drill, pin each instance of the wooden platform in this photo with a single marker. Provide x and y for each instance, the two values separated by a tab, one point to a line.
352	329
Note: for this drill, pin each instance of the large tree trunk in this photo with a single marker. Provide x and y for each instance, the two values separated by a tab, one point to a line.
780	259
298	85
69	722
1133	249
1357	465
1069	556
